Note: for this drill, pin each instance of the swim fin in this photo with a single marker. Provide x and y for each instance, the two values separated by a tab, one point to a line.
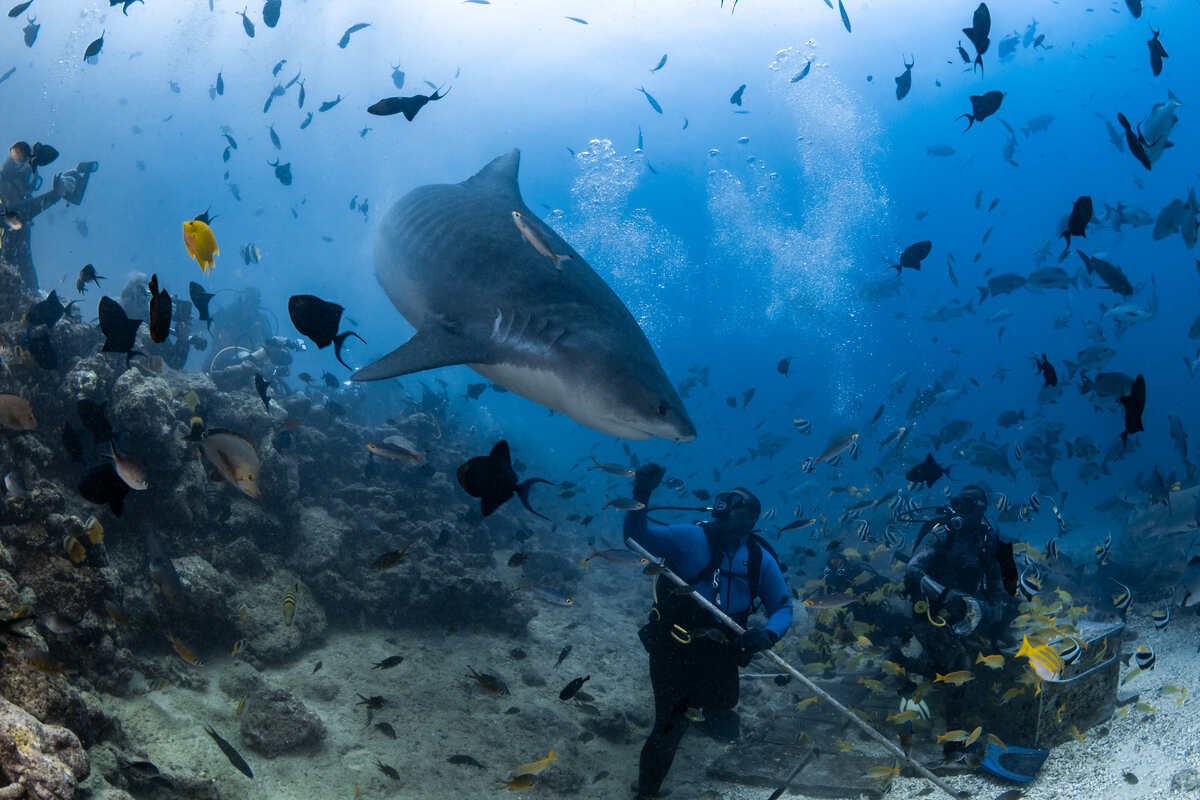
1020	764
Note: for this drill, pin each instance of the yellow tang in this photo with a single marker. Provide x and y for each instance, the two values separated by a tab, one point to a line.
201	244
957	678
1043	659
994	661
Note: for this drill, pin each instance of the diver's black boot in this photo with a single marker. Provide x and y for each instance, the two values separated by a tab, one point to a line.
721	725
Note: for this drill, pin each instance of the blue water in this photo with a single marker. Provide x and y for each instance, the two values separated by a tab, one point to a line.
730	255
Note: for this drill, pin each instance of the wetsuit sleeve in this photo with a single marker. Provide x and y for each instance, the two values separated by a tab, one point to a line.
776	600
920	563
995	601
675	543
28	209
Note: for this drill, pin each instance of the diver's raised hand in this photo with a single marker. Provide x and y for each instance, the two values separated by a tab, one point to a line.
646	480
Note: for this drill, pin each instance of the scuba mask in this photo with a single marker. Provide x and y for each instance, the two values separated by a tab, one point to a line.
735	511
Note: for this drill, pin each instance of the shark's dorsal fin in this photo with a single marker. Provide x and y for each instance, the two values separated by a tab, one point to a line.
433	346
499	174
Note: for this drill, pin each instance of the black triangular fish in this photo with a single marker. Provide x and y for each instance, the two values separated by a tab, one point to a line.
408	106
119	330
983	106
981	26
200	299
492	479
913	255
1157	53
94	420
46	312
319	320
271	12
160	311
93	49
927	472
1137	145
102	485
1134	404
1081	215
1049	374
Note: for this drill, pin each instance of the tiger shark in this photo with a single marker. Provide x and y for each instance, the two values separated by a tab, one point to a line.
475	280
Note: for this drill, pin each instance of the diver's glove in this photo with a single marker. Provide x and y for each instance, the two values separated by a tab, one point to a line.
646	480
955	606
751	641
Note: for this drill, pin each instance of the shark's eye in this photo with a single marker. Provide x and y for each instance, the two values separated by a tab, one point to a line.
662	409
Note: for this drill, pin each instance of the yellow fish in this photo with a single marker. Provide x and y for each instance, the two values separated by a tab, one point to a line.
974	735
1043	659
1075	732
882	773
289	605
872	684
901	717
956	735
892	668
201	244
996	740
1012	693
534	767
993	661
518	783
843	745
956	678
806	702
94	530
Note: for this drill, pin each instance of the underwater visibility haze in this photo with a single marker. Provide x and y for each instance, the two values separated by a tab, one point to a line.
841	357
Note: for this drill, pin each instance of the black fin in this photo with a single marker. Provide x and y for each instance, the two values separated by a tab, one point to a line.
340	340
523	493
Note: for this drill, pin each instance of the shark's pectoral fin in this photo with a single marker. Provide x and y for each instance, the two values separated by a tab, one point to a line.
431	347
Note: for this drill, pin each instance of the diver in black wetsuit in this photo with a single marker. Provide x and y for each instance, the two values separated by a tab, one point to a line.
966	574
18	206
694	660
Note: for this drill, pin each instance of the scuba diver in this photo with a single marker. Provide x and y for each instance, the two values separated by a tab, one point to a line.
966	577
19	179
694	660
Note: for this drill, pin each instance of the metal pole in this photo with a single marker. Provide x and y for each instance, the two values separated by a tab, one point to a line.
795	673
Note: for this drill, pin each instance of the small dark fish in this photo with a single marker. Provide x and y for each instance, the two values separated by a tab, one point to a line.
913	255
662	62
94	48
345	40
492	479
1047	371
247	25
580	20
283	171
736	97
1134	404
31	32
374	702
962	52
981	26
1135	8
119	330
389	559
784	365
465	761
300	98
87	275
1081	215
160	311
408	106
1137	145
19	9
261	386
650	98
571	688
271	13
1157	53
845	16
317	667
47	311
397	77
517	559
983	106
319	320
388	662
562	655
220	84
328	104
200	299
904	80
307	121
8	74
278	66
802	74
234	756
927	472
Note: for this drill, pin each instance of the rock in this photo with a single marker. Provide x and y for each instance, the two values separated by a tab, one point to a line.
208	591
320	540
1186	780
274	721
271	641
47	760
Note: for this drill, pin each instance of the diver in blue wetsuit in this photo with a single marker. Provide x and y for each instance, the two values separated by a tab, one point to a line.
694	659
